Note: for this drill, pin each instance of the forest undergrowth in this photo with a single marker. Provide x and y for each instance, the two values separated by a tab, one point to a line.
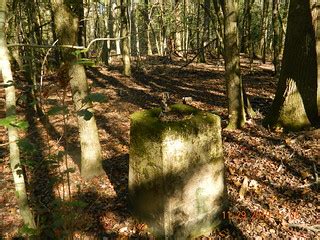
270	174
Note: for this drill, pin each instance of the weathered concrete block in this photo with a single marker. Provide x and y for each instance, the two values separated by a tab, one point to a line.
176	171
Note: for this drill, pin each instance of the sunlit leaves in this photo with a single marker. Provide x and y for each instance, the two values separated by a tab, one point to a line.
12	121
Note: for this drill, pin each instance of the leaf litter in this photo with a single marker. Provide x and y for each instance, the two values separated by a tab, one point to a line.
271	176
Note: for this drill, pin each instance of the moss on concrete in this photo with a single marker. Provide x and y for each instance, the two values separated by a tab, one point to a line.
176	171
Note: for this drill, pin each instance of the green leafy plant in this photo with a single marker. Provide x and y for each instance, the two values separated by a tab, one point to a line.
13	121
86	114
55	110
94	97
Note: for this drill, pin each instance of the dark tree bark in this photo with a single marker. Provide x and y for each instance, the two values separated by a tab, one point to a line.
276	36
295	103
316	26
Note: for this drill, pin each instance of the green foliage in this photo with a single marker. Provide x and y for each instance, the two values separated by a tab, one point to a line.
78	53
55	110
26	146
12	121
77	204
83	61
86	62
86	114
6	122
69	170
27	231
94	97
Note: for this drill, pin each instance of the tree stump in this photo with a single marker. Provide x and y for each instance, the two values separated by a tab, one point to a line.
176	171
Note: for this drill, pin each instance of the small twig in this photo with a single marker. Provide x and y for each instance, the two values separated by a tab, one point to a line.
313	228
5	144
198	52
309	184
316	177
42	69
66	46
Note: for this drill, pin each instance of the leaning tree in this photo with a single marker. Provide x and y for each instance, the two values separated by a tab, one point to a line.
14	156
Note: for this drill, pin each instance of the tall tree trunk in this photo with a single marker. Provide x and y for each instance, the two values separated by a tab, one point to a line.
178	37
316	25
263	33
13	136
79	11
125	48
134	29
295	103
249	33
276	37
66	27
200	48
236	108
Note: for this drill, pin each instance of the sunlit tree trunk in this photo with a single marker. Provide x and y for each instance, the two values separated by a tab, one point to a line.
125	47
66	27
177	25
135	47
146	46
263	32
236	108
220	27
295	103
14	156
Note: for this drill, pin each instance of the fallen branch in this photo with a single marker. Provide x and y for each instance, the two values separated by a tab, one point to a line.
309	184
313	228
317	180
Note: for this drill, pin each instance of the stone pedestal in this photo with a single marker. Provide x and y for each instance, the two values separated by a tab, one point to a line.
176	171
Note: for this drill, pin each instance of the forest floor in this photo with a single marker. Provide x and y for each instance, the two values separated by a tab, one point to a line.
278	167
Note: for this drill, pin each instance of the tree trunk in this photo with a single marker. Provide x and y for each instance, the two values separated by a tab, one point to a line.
263	33
125	48
66	28
276	36
13	136
295	103
232	64
316	25
177	25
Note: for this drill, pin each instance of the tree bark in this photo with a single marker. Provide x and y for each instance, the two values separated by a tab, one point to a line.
295	103
125	48
232	66
13	136
276	36
66	27
263	33
316	25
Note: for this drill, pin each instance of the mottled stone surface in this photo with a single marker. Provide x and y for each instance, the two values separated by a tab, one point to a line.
176	171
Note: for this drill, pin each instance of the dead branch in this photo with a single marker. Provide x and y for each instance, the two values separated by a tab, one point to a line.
65	46
313	228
